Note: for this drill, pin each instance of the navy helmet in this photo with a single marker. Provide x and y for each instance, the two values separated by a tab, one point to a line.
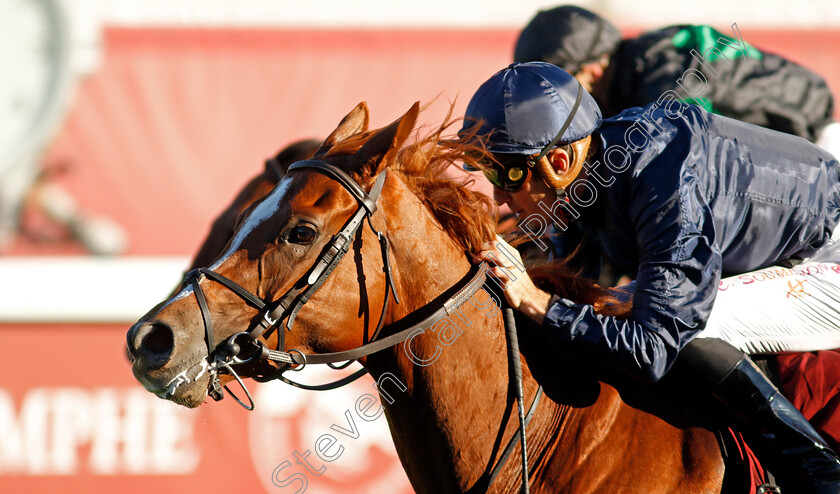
527	108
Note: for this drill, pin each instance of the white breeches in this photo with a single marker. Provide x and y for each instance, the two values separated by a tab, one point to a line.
778	309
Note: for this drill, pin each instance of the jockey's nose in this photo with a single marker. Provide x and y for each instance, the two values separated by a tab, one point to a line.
151	343
501	196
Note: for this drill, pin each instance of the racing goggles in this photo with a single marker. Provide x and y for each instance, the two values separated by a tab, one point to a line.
508	172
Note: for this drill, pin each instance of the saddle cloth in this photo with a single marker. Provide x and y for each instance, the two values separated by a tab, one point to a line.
794	314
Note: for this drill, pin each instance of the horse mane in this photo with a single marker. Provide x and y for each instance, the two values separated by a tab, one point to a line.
556	277
469	216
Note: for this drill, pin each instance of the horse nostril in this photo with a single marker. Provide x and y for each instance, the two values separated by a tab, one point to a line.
159	340
152	342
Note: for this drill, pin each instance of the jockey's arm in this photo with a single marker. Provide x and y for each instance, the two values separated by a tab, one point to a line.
679	271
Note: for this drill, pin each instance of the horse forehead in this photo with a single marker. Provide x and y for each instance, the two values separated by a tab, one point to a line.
262	212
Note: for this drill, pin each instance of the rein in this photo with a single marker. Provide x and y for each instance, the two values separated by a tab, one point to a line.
246	347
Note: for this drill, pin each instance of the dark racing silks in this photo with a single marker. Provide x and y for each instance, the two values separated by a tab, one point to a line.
682	197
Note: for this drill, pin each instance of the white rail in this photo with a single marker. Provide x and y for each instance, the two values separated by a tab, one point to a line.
84	289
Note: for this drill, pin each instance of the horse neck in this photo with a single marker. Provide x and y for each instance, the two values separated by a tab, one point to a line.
447	417
451	414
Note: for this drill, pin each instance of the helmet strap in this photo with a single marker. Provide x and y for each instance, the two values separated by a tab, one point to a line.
542	164
560	195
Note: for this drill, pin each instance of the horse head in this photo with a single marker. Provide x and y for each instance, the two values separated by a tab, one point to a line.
280	241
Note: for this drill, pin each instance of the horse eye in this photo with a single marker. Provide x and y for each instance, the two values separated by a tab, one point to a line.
302	234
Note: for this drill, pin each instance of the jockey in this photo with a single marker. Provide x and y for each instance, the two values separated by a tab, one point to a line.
723	74
678	195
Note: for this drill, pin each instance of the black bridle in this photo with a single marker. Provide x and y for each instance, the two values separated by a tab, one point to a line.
247	347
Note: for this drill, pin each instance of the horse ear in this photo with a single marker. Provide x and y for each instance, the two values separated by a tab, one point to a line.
383	147
276	167
354	123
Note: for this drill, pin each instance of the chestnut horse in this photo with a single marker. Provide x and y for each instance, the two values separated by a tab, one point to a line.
446	394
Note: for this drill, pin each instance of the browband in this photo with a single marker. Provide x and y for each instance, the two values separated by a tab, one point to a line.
367	201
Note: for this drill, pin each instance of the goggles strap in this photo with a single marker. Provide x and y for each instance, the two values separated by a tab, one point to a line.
565	126
547	172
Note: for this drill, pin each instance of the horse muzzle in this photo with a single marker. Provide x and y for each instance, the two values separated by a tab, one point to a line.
185	386
181	376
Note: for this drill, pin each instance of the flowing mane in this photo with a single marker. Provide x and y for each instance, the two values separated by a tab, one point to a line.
470	217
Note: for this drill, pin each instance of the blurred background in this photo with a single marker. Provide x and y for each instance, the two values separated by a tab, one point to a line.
128	125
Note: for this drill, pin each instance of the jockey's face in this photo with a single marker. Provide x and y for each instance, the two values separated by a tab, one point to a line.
525	200
594	77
